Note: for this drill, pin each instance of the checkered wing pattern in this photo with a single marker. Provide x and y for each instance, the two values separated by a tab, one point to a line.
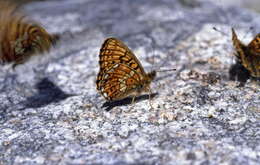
254	45
248	55
120	71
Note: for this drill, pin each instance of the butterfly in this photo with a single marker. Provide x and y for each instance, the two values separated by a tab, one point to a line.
248	55
21	38
121	74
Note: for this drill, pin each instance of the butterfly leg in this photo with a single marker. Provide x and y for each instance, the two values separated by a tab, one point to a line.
133	99
150	99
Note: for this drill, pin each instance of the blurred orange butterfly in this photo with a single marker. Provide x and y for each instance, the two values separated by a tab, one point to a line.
121	74
21	38
248	55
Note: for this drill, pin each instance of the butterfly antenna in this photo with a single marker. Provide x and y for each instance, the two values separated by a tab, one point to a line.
166	70
153	53
221	32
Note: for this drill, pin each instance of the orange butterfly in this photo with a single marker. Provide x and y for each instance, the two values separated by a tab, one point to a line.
248	55
121	74
20	38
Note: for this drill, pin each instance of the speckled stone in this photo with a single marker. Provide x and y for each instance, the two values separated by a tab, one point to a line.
51	113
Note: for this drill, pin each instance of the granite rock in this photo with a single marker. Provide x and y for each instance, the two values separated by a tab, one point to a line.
51	113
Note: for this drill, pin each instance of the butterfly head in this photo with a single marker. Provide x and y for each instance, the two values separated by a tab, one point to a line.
55	38
145	85
151	75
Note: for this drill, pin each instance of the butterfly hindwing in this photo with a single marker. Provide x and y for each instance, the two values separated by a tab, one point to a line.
119	81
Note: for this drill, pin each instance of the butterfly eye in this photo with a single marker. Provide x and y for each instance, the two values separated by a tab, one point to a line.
140	87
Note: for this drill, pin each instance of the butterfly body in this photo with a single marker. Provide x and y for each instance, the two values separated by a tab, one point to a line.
248	55
121	74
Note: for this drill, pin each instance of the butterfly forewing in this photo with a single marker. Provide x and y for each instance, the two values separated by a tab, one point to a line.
238	45
121	74
254	45
248	55
114	51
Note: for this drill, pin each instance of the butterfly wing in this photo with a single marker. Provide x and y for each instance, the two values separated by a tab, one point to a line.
249	56
254	45
114	51
238	46
119	81
254	49
115	55
20	37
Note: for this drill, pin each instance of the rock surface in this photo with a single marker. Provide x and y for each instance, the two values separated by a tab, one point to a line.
51	113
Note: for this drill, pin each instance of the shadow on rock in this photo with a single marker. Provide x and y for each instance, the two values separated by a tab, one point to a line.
125	163
109	105
47	93
237	72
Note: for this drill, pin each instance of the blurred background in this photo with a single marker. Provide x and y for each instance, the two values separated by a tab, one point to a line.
23	1
250	4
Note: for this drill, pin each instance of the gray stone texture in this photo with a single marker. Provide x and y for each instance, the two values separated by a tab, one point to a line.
51	113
